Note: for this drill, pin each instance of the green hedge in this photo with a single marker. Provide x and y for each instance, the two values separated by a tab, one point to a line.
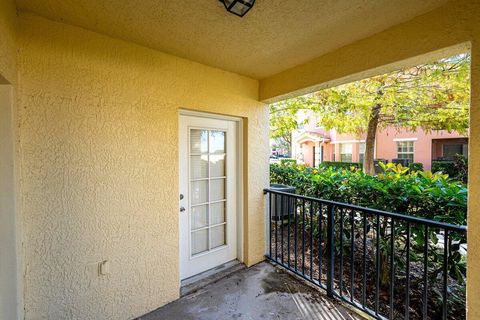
288	160
424	194
396	189
415	166
456	169
341	165
447	167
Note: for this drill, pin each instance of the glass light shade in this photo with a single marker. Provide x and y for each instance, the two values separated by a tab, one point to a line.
238	7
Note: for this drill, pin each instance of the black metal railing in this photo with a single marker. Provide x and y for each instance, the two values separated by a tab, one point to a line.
389	265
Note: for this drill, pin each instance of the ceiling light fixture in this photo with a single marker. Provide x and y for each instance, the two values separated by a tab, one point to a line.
238	7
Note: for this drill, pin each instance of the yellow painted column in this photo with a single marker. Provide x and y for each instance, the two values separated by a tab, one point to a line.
473	283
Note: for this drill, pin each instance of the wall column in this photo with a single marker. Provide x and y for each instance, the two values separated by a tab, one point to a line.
8	225
473	265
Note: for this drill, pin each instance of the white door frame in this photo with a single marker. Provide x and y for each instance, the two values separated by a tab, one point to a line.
240	179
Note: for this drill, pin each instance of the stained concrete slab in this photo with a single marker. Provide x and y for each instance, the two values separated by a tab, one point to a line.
259	292
199	281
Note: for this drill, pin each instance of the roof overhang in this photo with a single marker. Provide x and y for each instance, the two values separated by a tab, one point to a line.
273	37
311	137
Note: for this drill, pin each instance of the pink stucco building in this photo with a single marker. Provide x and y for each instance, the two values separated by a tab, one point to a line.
313	145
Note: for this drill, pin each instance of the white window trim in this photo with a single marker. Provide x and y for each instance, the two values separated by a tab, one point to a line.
412	153
350	153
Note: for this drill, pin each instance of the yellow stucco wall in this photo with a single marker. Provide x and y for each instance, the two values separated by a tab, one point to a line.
98	153
431	35
473	263
7	41
98	130
10	272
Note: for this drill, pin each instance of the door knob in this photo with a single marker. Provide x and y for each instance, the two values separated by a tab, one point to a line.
181	196
182	209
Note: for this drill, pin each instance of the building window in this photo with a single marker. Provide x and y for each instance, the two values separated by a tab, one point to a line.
405	150
450	150
346	152
361	152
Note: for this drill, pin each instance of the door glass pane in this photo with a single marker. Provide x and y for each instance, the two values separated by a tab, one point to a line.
217	165
199	191
199	216
217	189
198	141
217	142
218	236
207	185
199	241
199	166
217	213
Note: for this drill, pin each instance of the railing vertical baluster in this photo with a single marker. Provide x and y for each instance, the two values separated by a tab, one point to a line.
331	249
352	255
425	273
364	267
303	237
377	273
341	252
407	290
295	235
386	224
281	223
392	266
277	215
270	196
320	236
311	240
445	274
288	229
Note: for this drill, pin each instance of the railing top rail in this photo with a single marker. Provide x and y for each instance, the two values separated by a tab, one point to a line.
404	217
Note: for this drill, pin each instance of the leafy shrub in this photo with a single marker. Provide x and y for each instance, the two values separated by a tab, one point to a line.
341	165
456	169
288	160
461	167
415	166
423	194
444	166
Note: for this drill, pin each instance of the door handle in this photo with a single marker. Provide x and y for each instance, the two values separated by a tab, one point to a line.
182	209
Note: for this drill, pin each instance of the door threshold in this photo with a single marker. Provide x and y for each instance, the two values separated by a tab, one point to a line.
200	280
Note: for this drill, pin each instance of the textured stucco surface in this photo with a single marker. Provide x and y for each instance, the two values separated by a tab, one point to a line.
98	129
8	251
400	46
473	263
427	36
273	36
10	276
98	132
8	71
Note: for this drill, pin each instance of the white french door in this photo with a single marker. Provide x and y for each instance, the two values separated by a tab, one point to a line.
208	193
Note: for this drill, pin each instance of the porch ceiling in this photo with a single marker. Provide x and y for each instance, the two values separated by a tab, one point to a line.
272	37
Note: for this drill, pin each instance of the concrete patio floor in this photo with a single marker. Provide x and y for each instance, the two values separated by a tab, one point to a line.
260	292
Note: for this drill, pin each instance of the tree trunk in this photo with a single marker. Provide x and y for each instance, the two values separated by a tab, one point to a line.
368	166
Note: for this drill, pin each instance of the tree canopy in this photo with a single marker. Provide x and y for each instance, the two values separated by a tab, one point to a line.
284	117
431	96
